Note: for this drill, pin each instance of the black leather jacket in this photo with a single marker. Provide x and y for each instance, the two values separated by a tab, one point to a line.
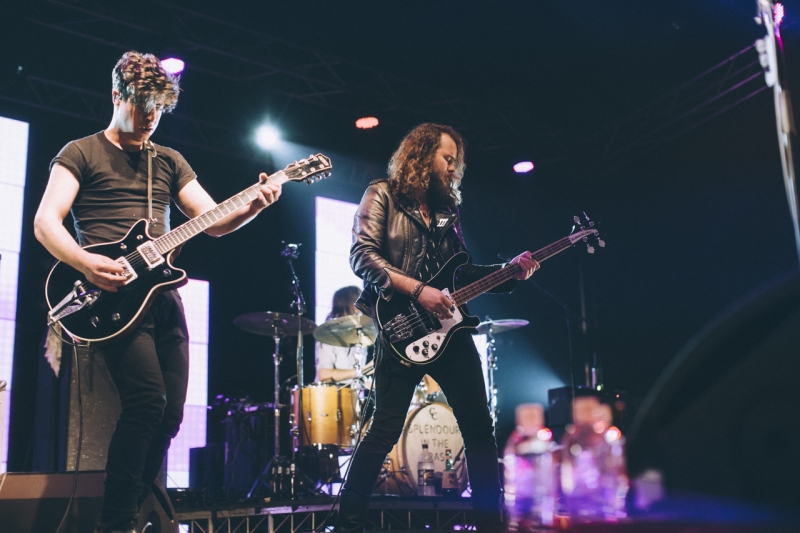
388	236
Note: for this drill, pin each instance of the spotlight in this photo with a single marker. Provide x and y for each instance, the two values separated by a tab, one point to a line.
267	137
173	65
523	167
366	123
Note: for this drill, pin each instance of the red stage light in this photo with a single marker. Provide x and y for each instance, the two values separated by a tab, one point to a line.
366	123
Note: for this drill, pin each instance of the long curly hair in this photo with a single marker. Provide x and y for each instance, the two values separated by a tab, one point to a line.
411	166
142	79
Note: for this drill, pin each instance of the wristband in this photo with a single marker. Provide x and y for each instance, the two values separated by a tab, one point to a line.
417	291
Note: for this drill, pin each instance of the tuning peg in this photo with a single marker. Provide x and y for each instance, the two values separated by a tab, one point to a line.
308	181
577	220
601	242
591	224
590	248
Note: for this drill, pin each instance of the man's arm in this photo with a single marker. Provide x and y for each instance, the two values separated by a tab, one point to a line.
48	226
193	200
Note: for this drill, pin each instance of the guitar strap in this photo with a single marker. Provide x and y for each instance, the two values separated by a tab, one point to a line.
151	153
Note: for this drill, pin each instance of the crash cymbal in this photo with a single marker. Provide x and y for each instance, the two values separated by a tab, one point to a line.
499	326
269	323
344	331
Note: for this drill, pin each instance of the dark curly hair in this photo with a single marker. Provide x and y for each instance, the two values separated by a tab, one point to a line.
411	165
142	79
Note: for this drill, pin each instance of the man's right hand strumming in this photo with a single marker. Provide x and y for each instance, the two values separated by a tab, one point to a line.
102	272
436	302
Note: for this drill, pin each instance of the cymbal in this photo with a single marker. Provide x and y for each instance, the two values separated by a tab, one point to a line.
269	323
343	331
499	326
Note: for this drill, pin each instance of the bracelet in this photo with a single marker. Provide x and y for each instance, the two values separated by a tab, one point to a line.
417	290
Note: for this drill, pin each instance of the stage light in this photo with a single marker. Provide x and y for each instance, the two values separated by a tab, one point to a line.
523	167
173	65
366	123
267	137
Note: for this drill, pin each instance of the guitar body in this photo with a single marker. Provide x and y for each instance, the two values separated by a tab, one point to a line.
111	315
416	336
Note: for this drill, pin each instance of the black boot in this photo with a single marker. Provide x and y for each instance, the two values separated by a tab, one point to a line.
352	512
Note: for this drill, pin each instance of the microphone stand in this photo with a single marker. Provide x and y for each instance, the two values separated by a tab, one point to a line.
292	252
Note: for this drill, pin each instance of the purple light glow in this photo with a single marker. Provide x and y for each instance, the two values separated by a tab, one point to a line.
173	65
523	167
778	13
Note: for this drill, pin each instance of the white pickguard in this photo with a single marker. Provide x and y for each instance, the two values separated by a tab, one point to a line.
425	350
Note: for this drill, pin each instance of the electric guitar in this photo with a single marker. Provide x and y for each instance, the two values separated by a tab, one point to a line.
90	314
417	337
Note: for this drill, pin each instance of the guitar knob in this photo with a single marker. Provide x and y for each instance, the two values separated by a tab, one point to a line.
425	344
94	321
435	347
416	348
425	352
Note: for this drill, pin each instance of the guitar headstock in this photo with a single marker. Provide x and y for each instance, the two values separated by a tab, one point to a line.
315	168
583	230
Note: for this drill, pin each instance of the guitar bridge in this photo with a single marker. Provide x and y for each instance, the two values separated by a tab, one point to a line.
150	254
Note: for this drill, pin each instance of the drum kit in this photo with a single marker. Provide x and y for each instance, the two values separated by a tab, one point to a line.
325	416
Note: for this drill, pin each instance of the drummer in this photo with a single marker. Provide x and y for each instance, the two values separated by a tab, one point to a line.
338	363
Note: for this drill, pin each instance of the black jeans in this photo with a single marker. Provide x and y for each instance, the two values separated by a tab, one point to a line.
458	372
150	368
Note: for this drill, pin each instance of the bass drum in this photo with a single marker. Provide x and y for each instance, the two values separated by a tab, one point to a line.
435	425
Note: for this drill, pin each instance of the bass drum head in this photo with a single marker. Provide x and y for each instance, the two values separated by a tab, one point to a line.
435	425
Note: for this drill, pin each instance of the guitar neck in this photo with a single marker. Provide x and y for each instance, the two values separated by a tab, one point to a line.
187	230
506	273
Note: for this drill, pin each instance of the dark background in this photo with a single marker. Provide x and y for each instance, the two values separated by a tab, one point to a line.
693	224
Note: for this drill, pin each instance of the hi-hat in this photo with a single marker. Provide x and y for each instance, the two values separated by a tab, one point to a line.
271	324
499	326
344	331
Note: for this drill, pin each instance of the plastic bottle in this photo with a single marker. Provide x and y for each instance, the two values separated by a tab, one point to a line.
450	486
425	473
593	477
530	475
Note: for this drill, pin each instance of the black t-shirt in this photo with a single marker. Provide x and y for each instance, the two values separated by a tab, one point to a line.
113	187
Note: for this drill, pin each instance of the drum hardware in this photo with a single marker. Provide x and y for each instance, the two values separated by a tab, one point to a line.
489	328
276	325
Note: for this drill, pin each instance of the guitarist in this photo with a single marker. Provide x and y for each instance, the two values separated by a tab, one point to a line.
103	180
405	229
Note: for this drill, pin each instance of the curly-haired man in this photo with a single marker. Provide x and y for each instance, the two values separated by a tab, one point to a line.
103	179
405	229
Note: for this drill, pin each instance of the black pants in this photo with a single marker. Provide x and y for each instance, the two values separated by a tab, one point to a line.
458	372
150	368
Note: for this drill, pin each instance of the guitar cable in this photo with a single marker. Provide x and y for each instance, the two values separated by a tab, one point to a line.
80	423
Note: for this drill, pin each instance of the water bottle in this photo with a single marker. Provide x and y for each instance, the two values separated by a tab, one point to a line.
425	473
450	486
593	477
530	471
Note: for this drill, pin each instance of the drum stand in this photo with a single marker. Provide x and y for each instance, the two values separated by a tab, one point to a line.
491	366
277	459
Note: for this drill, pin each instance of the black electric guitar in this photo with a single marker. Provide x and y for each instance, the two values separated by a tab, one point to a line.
417	337
90	314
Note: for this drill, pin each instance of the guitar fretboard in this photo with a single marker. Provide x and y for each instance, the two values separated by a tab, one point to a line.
187	230
506	273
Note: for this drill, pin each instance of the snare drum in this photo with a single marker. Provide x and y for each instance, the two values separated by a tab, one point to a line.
435	425
328	414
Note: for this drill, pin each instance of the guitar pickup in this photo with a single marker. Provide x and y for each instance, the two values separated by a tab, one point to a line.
150	254
127	270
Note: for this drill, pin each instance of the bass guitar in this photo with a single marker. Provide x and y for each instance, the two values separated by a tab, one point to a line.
417	337
90	314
